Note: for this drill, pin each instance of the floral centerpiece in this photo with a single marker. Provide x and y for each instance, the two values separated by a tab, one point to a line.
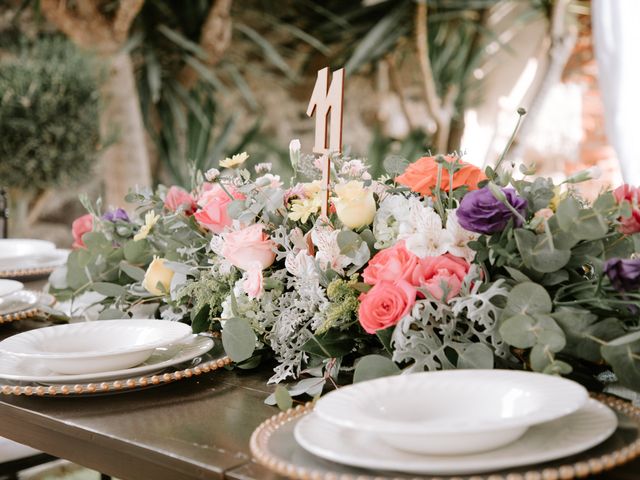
435	265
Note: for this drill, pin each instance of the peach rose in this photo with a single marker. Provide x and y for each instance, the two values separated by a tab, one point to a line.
79	227
435	274
157	275
631	194
253	285
249	248
178	197
422	176
391	264
214	203
385	304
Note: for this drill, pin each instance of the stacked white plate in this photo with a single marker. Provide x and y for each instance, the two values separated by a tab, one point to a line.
25	254
455	422
98	351
15	299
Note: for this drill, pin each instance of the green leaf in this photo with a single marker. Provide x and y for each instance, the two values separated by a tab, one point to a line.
549	333
135	273
385	335
137	253
330	345
374	366
283	398
96	241
558	367
238	339
112	314
527	298
518	331
517	275
349	242
476	355
623	354
589	225
585	333
395	165
567	212
200	321
540	357
109	289
268	49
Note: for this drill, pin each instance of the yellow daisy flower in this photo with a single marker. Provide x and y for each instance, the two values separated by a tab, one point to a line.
234	161
150	219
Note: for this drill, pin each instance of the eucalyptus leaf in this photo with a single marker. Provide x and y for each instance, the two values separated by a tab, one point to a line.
527	298
558	367
137	253
374	366
238	339
540	357
283	398
135	273
476	355
623	354
112	314
331	344
349	242
109	289
518	331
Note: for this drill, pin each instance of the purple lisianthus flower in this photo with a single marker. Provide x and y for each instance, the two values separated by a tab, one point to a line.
624	274
481	212
115	215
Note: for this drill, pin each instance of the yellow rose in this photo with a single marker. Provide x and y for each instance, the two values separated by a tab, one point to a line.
156	274
354	204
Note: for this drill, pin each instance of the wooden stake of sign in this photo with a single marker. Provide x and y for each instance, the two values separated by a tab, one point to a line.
327	99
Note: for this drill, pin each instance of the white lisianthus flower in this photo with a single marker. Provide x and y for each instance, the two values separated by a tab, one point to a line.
212	174
235	160
386	223
355	205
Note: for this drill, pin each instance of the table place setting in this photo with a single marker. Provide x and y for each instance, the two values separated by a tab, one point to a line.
17	303
27	258
103	356
451	423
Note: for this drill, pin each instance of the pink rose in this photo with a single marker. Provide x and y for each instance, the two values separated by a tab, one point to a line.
253	285
178	197
249	248
435	274
631	194
385	304
214	202
79	227
391	264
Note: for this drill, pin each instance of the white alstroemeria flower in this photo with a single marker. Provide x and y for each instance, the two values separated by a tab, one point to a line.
423	233
328	255
460	238
301	265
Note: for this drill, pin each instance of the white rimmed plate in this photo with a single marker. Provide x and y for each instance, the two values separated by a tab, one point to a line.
16	249
574	433
8	287
93	347
46	260
15	369
431	412
19	301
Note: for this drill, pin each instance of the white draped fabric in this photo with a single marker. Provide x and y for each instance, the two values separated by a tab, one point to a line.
616	31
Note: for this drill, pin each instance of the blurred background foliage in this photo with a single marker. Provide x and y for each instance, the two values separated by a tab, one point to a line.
216	77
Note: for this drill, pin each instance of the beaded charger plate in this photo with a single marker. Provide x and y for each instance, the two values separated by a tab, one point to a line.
29	309
207	364
273	445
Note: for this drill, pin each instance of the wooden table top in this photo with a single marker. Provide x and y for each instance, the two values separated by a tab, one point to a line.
192	429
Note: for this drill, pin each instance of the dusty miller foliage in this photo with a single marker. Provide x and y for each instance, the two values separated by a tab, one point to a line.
434	330
48	115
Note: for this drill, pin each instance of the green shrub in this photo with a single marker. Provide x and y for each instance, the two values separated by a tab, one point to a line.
49	125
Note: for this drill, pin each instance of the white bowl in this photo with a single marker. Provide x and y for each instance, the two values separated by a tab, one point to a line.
452	412
20	248
93	347
9	287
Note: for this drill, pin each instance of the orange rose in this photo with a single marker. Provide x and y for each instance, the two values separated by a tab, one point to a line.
422	176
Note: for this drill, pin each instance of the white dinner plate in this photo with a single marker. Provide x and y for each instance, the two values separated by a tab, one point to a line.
15	249
15	369
49	259
7	287
429	412
93	347
575	433
19	301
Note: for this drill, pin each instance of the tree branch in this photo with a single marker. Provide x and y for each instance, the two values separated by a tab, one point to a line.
215	38
396	85
125	15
